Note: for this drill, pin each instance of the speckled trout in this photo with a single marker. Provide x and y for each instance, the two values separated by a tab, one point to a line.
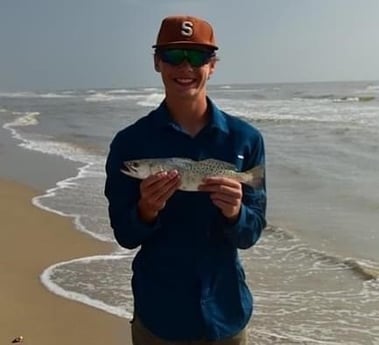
192	172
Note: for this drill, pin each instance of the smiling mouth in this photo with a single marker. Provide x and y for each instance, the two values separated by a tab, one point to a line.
184	81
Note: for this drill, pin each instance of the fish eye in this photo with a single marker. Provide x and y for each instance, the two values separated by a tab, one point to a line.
135	165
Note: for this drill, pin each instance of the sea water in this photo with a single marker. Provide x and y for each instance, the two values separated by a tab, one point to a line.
314	273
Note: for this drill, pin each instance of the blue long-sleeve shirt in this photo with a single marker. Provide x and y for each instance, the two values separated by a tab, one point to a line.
188	283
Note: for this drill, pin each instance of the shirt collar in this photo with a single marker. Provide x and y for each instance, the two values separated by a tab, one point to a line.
217	117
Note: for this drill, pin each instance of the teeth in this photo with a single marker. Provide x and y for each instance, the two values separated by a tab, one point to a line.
184	80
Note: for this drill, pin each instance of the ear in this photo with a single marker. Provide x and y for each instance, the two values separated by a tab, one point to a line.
156	63
212	67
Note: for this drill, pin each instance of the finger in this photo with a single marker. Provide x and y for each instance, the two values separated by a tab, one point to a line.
161	200
225	208
152	179
234	191
226	199
221	204
154	183
168	193
165	190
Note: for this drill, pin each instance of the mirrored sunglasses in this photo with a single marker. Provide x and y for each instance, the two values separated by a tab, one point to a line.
195	57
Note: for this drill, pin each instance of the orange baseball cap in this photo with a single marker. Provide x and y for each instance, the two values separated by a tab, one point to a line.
183	30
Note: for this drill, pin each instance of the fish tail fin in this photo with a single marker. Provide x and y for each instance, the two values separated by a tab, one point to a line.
254	176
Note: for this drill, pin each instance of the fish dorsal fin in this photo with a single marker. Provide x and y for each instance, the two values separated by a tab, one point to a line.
218	163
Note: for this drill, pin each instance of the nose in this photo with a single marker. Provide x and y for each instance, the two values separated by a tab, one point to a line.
185	65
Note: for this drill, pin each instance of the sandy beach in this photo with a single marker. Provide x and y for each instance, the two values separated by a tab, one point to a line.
31	240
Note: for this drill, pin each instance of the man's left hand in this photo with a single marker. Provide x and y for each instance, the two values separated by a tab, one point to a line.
226	194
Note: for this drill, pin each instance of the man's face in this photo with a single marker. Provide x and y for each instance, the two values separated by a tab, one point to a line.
180	77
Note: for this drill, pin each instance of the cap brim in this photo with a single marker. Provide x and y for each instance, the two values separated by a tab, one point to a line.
185	43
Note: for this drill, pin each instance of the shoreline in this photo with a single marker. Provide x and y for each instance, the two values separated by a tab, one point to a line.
31	240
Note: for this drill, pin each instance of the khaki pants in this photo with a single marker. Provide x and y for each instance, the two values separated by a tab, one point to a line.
142	336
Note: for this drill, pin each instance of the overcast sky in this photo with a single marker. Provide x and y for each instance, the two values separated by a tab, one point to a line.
63	44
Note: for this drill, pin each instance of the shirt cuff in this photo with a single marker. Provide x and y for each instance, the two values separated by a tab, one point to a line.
232	227
144	229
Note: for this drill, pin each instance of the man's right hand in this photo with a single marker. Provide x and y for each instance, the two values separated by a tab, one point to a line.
155	191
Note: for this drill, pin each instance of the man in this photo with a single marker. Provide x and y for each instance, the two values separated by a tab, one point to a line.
188	284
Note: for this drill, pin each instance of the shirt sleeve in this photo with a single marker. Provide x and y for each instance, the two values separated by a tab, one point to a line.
247	229
123	194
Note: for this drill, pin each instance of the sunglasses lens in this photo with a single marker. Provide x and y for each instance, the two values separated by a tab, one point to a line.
172	56
196	58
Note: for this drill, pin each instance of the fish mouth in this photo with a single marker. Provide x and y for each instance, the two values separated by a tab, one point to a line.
131	167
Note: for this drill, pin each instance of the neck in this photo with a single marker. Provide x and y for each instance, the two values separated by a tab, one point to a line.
191	114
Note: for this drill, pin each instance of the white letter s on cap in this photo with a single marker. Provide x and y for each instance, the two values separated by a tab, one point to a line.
187	29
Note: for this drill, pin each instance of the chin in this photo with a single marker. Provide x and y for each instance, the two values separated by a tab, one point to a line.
188	95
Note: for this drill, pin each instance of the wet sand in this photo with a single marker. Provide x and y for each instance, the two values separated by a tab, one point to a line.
31	240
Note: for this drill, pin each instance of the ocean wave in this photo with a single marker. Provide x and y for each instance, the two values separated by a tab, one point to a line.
279	118
151	100
17	94
51	285
55	95
59	200
255	93
151	89
316	97
24	119
363	268
72	188
373	88
145	100
111	292
337	99
110	97
354	99
272	337
105	97
368	270
28	94
91	169
301	111
119	91
65	150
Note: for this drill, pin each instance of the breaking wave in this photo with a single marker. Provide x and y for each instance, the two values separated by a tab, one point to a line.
365	269
337	99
